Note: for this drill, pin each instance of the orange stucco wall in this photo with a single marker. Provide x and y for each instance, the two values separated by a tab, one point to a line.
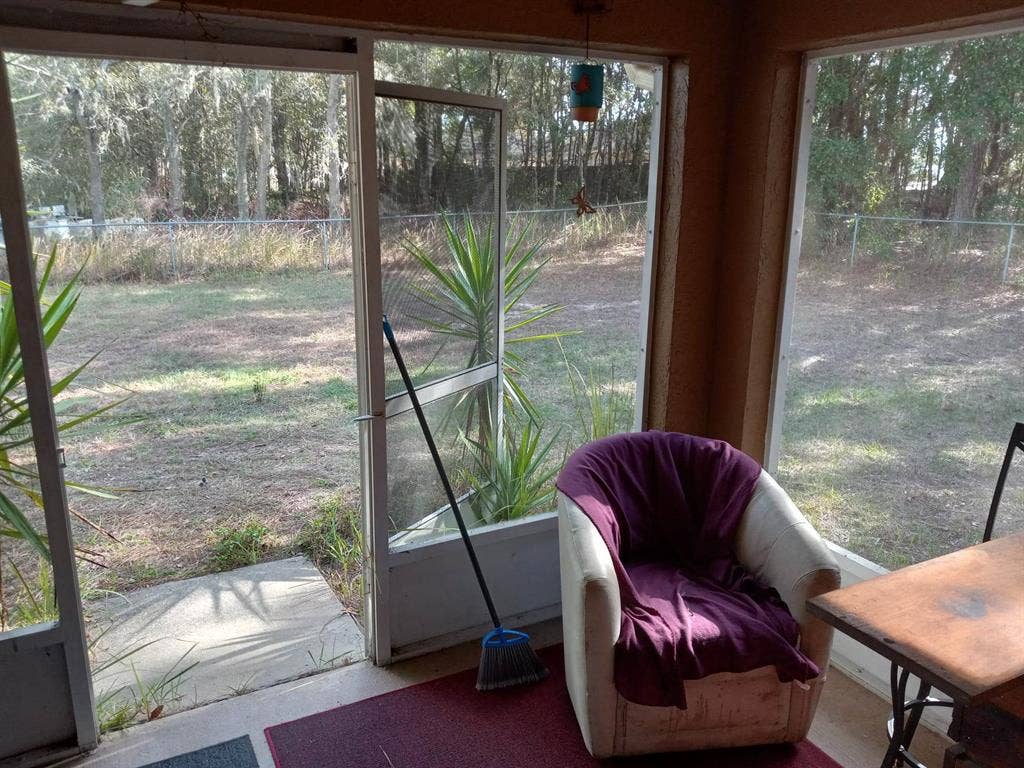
715	337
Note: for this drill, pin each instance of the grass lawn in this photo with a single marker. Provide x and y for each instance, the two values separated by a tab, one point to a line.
237	436
238	443
903	387
241	396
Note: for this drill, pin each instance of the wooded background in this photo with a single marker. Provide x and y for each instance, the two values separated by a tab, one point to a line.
932	131
162	142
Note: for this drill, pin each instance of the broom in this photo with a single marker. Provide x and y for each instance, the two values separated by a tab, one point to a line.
506	657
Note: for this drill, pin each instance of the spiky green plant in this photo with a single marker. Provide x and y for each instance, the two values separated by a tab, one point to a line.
512	477
464	292
18	476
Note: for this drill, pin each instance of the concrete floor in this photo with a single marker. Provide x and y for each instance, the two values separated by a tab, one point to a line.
849	725
244	630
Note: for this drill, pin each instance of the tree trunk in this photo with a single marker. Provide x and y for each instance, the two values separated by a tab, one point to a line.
423	166
242	163
926	197
265	102
279	132
965	196
333	159
173	147
97	201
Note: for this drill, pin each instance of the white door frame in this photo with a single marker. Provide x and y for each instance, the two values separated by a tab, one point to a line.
69	633
55	652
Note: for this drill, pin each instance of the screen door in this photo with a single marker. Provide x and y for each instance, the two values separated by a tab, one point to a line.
440	175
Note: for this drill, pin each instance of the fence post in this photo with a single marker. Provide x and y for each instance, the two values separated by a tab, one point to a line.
856	231
323	242
1006	259
174	252
565	218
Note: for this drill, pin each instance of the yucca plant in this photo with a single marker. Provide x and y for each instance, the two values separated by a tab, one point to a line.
18	477
511	476
464	293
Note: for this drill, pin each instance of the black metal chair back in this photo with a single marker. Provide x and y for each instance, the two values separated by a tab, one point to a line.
1016	443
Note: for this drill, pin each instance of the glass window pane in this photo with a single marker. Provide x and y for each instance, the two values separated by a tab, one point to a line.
904	370
439	248
415	492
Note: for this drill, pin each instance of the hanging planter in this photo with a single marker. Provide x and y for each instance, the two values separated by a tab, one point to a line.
587	96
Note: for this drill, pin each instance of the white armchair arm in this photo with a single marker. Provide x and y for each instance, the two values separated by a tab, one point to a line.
591	617
781	548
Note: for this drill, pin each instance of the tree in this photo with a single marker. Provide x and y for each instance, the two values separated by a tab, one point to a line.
331	148
264	86
169	141
936	130
169	87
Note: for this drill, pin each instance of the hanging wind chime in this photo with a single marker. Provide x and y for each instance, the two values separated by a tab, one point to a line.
586	81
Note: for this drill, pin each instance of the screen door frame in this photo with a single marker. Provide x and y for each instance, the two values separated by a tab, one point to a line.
390	601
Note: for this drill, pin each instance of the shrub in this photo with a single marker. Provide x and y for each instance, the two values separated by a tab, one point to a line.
512	477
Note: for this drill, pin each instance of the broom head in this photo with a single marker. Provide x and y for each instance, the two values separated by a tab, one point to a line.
507	659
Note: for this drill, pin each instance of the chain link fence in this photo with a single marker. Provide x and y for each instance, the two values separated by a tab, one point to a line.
177	250
993	248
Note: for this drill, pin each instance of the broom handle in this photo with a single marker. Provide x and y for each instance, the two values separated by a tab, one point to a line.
390	334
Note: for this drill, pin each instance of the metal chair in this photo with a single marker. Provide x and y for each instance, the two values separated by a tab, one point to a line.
902	733
1016	443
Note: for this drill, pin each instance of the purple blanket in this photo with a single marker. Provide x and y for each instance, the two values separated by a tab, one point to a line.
667	506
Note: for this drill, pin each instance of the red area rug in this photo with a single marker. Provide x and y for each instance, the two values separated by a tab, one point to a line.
445	723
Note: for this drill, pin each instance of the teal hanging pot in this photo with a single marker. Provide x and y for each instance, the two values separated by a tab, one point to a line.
587	97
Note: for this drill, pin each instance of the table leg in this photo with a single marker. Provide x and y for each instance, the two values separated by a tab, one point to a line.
898	690
915	715
906	716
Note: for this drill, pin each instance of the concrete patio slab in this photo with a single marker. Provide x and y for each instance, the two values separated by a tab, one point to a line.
244	630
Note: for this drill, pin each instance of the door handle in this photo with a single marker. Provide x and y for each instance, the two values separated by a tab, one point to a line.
366	417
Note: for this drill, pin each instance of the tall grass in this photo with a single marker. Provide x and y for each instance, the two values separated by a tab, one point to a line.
333	540
190	250
603	405
158	253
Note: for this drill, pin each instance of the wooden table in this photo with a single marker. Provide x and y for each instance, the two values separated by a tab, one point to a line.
957	622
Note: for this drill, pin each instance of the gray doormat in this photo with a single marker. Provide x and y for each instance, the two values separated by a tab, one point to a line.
236	753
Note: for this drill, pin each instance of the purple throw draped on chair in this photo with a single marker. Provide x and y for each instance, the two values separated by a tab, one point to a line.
668	506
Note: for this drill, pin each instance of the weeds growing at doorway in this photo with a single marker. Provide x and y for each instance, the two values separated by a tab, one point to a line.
238	546
333	540
119	706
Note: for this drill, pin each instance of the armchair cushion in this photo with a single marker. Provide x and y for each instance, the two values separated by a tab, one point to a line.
667	507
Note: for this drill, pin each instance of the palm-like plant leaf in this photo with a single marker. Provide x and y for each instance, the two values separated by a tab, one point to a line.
463	294
17	482
512	477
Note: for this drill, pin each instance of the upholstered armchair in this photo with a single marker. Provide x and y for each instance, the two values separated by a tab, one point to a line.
775	543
